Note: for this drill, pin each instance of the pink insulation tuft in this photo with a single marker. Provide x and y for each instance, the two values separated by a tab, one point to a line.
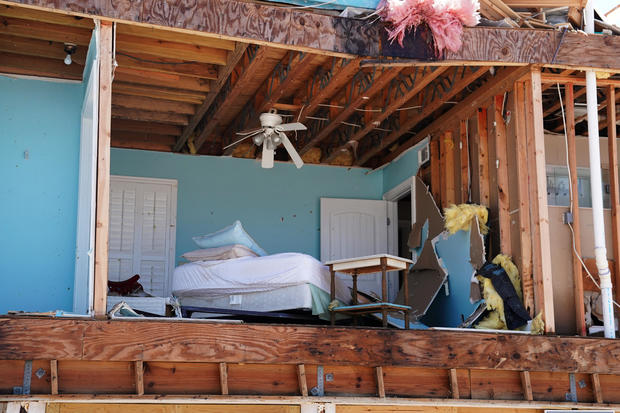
445	19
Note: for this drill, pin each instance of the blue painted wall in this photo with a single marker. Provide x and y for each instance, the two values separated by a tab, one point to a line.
402	168
279	207
39	194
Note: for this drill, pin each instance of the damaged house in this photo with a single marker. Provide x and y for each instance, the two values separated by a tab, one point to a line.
303	206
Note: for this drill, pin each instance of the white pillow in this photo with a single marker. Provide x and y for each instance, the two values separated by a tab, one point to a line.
226	252
231	235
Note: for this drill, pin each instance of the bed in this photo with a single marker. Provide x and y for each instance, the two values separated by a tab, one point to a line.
278	282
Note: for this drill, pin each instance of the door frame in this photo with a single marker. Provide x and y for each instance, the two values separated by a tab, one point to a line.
173	216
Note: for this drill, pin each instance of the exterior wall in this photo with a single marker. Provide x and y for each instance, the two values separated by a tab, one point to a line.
278	207
561	257
38	192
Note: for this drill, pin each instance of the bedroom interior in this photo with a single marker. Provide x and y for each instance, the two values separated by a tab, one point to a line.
465	176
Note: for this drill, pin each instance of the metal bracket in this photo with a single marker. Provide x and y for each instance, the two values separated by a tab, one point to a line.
27	377
319	390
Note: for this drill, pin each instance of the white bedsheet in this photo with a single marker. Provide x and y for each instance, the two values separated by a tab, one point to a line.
252	274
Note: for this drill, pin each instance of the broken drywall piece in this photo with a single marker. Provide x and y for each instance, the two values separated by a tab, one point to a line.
415	235
426	209
426	278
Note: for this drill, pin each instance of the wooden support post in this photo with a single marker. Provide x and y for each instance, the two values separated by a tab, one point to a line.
380	384
139	372
614	196
450	168
525	235
443	190
454	384
596	388
103	170
502	176
301	378
483	157
464	148
526	384
543	286
224	378
435	171
54	376
580	319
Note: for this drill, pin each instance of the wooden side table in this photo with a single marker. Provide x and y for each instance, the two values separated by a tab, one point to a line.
380	263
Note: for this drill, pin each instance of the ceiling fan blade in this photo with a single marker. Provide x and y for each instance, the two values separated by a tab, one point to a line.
285	127
267	159
291	150
250	132
239	140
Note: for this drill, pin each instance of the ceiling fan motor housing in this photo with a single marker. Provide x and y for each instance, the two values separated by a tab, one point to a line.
270	119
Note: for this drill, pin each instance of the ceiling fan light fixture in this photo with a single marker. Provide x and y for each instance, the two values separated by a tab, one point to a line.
258	139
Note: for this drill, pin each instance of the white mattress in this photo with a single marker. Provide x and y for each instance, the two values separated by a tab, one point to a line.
210	279
285	298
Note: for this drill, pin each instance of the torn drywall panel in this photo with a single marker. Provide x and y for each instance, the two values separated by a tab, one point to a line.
425	209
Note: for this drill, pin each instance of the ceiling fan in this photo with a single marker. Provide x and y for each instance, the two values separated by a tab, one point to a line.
270	135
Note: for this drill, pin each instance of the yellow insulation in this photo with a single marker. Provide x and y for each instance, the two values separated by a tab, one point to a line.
506	263
459	217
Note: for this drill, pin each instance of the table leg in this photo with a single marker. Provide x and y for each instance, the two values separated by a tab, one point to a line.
355	295
406	293
332	295
384	296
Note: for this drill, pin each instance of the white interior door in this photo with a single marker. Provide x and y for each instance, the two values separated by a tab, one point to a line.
85	240
354	228
142	231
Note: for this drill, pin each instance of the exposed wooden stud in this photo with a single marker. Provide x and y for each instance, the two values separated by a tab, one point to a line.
139	376
503	193
596	388
450	168
525	235
224	378
102	216
169	80
179	95
580	320
483	158
614	196
301	378
443	196
166	65
464	152
380	384
543	285
435	171
54	376
454	384
526	384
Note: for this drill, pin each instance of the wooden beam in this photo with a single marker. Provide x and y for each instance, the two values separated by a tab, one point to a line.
460	83
165	65
435	171
132	140
116	340
483	158
545	3
169	80
45	31
450	168
301	379
343	37
54	376
525	234
543	284
580	319
224	378
39	48
149	116
160	33
596	388
614	182
142	128
152	105
45	16
362	95
526	384
224	73
577	80
464	155
396	100
443	189
380	383
139	376
39	66
454	384
155	92
102	216
503	193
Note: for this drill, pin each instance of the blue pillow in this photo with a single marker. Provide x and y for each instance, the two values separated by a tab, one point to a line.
233	234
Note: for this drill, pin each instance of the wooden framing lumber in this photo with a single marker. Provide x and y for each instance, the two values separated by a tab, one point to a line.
120	112
224	378
596	388
543	286
102	218
525	236
54	376
380	382
435	171
464	155
152	105
526	383
450	168
502	81
174	36
45	16
156	92
139	373
12	63
45	31
301	379
165	65
342	37
39	48
576	80
169	80
443	189
483	158
614	182
428	109
152	341
503	193
454	384
580	319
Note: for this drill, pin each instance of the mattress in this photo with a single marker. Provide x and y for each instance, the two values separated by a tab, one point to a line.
247	275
